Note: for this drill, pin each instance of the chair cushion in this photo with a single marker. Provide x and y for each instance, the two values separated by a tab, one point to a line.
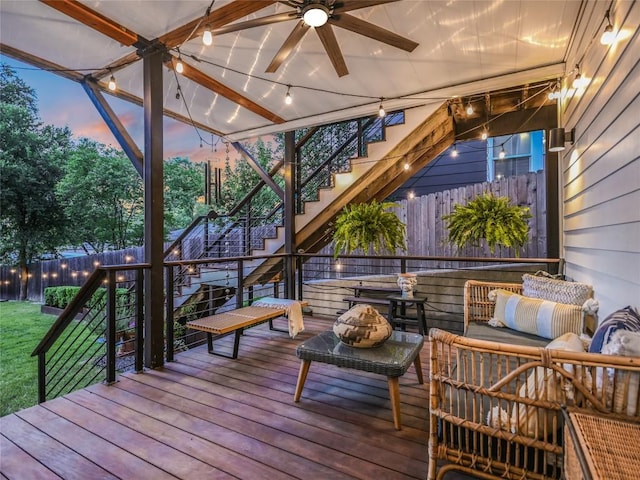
554	290
535	316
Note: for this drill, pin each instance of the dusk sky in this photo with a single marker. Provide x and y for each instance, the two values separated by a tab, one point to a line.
62	102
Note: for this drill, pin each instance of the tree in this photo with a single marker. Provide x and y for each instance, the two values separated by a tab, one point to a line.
183	190
31	154
239	181
103	197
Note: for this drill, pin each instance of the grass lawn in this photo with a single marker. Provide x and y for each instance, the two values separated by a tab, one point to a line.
22	326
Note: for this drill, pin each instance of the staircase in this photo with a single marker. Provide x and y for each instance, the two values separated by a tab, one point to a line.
426	132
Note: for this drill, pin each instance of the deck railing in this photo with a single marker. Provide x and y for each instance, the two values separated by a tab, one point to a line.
82	347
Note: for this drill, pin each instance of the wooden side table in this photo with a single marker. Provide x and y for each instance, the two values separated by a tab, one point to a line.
602	448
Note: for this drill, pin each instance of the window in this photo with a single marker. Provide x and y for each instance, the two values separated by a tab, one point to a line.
523	152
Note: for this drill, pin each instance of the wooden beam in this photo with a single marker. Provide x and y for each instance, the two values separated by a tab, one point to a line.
200	78
93	19
218	18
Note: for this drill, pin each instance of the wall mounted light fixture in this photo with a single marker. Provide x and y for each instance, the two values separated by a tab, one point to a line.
558	137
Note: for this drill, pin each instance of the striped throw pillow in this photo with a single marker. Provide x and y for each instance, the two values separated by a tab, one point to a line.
535	316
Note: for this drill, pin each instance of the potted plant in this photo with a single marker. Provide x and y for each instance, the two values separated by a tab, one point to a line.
364	225
489	218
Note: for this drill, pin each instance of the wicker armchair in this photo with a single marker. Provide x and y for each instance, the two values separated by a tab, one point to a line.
473	380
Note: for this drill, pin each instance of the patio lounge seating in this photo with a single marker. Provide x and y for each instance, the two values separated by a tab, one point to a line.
496	406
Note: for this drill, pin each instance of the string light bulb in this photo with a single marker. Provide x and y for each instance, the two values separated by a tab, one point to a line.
607	37
179	65
381	112
406	165
502	152
579	81
411	195
469	109
485	133
207	36
454	153
287	98
112	83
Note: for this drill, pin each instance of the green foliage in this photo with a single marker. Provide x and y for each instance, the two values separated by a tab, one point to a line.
31	156
59	297
369	225
103	194
183	189
22	326
490	218
239	180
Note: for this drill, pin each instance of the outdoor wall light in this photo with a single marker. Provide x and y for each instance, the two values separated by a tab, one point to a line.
558	137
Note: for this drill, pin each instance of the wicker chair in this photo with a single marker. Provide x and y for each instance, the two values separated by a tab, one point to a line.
472	378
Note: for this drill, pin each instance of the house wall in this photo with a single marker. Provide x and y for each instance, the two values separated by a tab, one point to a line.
600	172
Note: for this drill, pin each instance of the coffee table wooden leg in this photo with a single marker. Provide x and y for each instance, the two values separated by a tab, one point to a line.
302	377
394	394
418	364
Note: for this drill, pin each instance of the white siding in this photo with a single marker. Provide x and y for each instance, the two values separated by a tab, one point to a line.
600	173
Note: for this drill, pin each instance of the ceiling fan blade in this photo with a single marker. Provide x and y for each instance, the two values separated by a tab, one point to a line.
348	5
287	47
362	27
256	22
330	44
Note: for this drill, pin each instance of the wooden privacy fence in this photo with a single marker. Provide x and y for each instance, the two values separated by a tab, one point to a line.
426	235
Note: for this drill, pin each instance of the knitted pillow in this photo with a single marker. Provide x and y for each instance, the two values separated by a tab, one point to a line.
560	291
535	316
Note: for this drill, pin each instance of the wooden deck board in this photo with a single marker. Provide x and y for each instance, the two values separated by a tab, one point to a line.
205	416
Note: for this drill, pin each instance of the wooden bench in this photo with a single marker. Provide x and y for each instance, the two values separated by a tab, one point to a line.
234	321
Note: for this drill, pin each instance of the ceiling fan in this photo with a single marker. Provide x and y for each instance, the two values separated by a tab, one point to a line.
322	16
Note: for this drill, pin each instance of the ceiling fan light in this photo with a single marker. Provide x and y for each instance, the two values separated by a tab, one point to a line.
315	14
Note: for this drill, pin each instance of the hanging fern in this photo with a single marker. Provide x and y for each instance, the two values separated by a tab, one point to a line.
490	218
368	224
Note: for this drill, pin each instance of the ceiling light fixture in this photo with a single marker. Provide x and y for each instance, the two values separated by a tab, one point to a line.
287	98
207	36
381	112
112	83
315	14
608	37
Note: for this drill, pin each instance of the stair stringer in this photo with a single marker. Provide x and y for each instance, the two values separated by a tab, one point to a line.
373	177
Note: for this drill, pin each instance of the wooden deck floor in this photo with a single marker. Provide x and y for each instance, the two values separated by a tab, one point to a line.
204	416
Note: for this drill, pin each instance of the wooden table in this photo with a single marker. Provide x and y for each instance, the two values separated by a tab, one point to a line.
398	311
602	448
391	359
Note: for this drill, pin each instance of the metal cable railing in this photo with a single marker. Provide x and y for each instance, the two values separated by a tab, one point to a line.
98	334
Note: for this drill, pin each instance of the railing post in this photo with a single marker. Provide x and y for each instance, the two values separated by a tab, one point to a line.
139	329
300	264
42	378
111	326
240	276
169	312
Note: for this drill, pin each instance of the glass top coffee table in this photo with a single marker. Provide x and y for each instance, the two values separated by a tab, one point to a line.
391	359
